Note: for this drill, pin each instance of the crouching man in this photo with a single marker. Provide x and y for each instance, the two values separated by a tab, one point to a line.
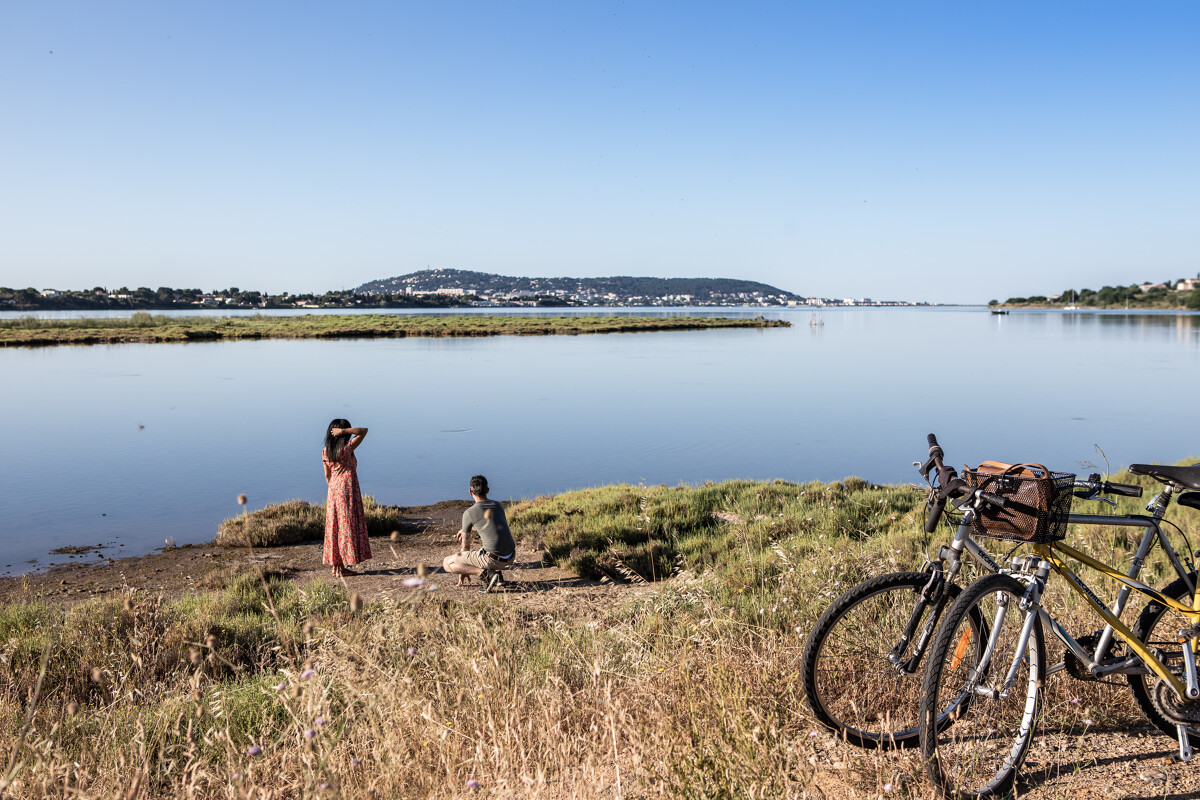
497	549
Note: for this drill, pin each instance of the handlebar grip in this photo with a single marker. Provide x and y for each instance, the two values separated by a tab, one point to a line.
935	509
935	450
993	499
1123	489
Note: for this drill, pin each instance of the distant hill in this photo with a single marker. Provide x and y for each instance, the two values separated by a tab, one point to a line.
622	286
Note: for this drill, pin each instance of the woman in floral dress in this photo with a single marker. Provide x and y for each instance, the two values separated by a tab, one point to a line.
346	540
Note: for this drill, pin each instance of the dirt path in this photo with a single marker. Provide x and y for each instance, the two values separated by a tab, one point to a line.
426	536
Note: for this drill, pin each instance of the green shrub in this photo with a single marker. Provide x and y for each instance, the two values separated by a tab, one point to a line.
297	521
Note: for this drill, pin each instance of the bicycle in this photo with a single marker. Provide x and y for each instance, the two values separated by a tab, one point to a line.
862	662
992	685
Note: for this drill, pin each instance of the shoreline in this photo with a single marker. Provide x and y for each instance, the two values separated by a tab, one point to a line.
426	535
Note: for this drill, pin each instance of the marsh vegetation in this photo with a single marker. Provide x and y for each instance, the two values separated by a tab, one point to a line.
143	326
684	686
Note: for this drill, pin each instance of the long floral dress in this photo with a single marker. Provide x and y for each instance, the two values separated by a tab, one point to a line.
346	541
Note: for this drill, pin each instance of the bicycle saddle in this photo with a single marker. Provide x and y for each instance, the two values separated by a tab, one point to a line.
1188	477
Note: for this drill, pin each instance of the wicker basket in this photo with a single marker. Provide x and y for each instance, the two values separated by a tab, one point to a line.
1037	502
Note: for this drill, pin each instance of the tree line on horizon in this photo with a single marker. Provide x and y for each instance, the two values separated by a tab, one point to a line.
1184	293
165	298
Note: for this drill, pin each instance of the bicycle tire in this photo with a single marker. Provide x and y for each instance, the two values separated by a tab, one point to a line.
850	685
1172	655
981	753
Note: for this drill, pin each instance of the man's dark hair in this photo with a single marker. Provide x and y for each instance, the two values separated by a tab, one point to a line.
479	486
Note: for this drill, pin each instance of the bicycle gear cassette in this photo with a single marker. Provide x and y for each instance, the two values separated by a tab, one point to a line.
1075	666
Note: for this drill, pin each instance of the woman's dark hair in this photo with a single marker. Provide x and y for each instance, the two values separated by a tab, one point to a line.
479	485
334	444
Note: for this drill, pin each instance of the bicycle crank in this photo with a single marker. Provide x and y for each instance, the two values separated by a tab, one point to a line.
1170	706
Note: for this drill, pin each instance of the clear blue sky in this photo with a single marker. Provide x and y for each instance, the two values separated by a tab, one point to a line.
951	152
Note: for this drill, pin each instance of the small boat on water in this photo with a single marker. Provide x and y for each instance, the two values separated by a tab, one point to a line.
999	310
1070	308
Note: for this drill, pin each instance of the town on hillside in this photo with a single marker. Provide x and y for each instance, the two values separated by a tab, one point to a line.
443	288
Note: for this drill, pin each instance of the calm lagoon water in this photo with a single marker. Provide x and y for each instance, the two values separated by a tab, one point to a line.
129	445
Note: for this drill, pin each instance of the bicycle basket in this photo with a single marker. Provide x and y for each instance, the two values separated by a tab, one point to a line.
1037	502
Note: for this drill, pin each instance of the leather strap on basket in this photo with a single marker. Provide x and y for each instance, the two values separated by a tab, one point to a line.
999	468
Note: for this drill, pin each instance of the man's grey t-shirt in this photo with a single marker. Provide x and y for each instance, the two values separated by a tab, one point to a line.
488	520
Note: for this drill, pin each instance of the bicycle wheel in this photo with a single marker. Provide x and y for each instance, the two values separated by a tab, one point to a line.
980	754
1158	628
850	684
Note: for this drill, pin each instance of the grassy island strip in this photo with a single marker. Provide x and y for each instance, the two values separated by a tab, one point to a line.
686	687
146	327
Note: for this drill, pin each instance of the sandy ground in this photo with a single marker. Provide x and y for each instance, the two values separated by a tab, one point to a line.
1101	765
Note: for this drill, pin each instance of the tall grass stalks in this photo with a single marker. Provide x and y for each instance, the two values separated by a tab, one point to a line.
684	685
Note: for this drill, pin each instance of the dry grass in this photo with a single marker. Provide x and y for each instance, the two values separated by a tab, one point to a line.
683	688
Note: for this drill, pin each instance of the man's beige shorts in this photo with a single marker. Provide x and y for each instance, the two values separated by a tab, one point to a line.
481	558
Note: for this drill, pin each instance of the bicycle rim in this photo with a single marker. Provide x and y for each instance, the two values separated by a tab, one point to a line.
851	685
980	754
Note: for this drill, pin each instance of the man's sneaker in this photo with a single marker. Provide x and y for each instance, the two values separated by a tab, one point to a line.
492	579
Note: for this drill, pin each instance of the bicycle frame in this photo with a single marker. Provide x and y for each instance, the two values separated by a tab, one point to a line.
1047	553
1034	569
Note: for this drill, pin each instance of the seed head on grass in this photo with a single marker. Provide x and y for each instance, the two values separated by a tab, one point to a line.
356	603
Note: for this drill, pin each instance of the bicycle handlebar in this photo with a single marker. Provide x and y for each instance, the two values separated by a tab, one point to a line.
1094	485
946	480
949	486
